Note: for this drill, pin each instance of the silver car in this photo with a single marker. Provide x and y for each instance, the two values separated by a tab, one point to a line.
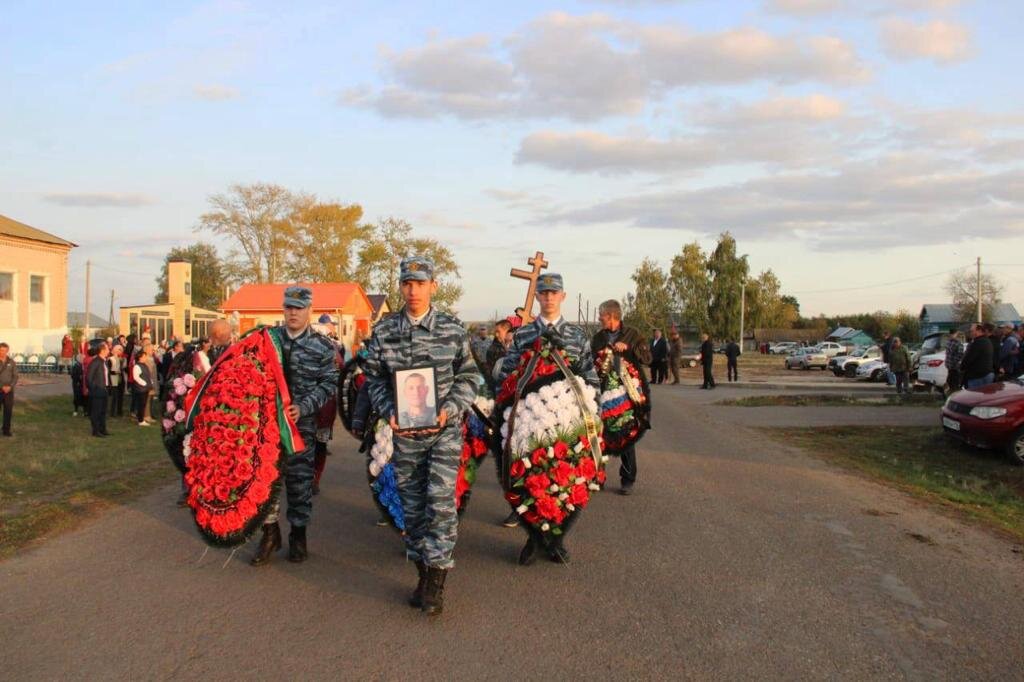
805	358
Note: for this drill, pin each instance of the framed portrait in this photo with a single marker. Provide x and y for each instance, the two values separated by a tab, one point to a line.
415	399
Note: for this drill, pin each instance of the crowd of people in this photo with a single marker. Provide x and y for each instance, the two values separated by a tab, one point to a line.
991	354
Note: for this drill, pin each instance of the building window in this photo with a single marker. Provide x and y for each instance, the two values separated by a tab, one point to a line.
133	323
188	321
188	288
36	288
6	286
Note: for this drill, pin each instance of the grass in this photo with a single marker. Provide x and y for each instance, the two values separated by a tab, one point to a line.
54	474
924	462
834	400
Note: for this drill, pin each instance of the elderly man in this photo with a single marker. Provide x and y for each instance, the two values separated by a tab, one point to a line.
220	339
8	380
312	378
98	381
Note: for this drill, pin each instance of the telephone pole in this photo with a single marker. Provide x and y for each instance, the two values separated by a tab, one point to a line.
743	305
110	317
88	292
978	293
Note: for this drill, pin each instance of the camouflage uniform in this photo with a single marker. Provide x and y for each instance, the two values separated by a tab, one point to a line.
573	339
312	380
425	467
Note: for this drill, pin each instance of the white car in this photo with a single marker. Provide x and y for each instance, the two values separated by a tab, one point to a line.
875	370
783	347
931	368
846	365
805	358
831	348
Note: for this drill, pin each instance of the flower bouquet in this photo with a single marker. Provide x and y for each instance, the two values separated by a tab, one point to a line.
625	401
477	433
551	441
238	434
181	378
381	475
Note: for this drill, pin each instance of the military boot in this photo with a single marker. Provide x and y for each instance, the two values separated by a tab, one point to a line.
269	543
558	553
297	552
416	600
433	591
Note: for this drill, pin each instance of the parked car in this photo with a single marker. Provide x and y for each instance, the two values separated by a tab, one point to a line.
989	417
783	347
932	370
805	358
831	348
875	370
846	365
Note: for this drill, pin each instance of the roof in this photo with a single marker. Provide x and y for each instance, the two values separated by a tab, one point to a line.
78	320
843	332
347	296
377	301
15	229
945	313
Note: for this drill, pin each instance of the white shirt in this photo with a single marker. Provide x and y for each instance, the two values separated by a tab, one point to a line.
553	323
416	320
204	362
296	334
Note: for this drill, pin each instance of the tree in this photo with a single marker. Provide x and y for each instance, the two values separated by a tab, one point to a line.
962	287
207	274
326	240
764	305
257	219
690	285
728	272
391	240
651	306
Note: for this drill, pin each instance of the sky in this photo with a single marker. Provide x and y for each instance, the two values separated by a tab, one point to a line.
861	149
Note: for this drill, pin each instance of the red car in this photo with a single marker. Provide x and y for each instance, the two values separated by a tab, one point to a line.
989	417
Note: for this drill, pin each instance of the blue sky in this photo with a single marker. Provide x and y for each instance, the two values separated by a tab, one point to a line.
847	143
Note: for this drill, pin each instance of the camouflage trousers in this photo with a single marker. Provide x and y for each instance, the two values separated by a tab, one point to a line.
425	472
298	481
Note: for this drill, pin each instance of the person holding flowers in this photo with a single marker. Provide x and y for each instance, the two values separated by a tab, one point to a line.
425	461
312	377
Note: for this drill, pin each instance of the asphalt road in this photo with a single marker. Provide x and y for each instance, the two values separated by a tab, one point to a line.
737	558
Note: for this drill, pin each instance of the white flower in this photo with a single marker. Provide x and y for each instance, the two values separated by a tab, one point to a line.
594	486
551	452
522	509
604	458
186	446
554	488
375	468
580	480
545	526
578	447
570	507
564	496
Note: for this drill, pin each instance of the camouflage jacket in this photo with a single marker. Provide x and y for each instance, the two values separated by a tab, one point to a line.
309	369
573	339
439	341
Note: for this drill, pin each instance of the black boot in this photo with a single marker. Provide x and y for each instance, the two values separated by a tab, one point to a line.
297	552
528	553
416	600
433	591
269	543
558	553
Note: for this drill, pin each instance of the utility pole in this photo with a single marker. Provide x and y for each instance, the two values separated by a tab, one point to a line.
110	318
743	305
979	289
88	291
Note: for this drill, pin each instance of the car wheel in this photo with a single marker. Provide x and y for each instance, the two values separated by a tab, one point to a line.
1015	448
851	372
876	375
691	363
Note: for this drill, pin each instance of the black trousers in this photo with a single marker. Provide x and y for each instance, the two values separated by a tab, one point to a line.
732	369
709	381
954	381
139	404
98	413
7	400
117	400
627	465
659	371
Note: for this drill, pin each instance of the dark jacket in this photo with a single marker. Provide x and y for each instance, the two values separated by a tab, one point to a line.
495	354
147	378
707	353
659	350
886	348
638	352
899	359
732	351
977	361
96	378
9	372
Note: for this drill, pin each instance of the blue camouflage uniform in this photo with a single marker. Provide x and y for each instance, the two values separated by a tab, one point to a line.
312	379
573	339
425	466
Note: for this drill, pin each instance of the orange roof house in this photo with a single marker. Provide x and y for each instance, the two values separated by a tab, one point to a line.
345	302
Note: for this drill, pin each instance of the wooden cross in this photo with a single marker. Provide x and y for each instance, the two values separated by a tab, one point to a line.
538	263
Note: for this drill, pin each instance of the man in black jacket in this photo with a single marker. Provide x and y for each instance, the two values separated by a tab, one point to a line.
98	380
8	380
659	358
628	343
976	367
732	355
707	360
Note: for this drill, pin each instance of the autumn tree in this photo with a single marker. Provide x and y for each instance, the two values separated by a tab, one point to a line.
207	274
326	241
650	306
690	285
391	240
962	287
765	307
728	272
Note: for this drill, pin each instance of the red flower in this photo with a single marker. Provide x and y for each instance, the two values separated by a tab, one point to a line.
561	450
586	467
513	498
538	456
561	473
547	506
579	496
461	486
531	517
537	484
517	469
601	477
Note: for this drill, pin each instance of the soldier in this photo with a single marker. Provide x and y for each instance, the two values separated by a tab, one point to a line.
550	295
427	463
312	378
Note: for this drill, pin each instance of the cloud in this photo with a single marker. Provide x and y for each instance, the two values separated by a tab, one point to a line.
587	68
891	201
215	93
435	219
805	8
98	199
940	41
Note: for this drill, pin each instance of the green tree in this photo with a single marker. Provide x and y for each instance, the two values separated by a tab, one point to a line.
650	307
765	308
257	220
391	240
728	273
962	287
207	274
690	285
327	237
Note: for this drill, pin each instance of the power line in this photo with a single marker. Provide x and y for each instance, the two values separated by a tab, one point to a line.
876	286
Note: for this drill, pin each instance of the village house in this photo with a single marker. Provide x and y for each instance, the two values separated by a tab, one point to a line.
177	318
33	287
